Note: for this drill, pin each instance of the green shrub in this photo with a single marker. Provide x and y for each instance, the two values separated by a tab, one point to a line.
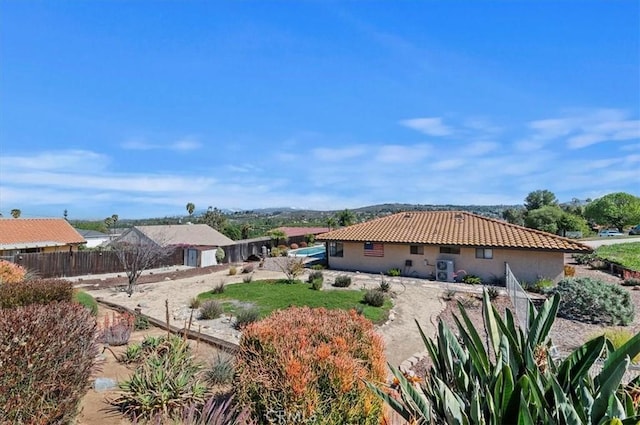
135	353
541	286
471	279
132	354
317	267
384	286
247	278
315	275
493	293
195	302
220	254
594	301
374	298
316	284
46	360
218	289
632	281
221	370
210	310
310	363
245	316
39	291
233	270
342	281
164	383
394	272
141	323
275	252
584	258
87	301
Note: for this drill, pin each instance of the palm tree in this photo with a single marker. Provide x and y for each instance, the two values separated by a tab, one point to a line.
346	218
245	230
15	213
191	208
331	223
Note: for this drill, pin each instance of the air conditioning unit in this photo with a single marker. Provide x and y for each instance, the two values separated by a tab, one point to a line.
444	271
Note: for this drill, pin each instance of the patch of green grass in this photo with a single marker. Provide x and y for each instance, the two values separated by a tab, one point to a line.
270	295
626	254
86	300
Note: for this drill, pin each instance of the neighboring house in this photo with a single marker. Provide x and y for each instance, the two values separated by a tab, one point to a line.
298	234
199	241
26	235
94	238
448	244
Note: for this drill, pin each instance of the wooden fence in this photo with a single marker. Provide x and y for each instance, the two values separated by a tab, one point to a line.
79	263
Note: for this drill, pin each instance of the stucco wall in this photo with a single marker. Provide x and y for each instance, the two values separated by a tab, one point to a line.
526	265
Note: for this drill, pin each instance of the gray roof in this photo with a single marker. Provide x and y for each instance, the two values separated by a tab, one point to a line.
90	234
185	234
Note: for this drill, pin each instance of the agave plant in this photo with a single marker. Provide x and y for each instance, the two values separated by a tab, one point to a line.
513	378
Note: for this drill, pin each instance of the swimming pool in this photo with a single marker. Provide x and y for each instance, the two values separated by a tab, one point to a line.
317	251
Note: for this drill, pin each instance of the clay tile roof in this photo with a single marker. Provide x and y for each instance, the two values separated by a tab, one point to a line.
302	231
452	228
27	232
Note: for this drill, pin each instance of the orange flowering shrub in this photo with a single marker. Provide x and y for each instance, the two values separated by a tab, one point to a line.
304	365
11	272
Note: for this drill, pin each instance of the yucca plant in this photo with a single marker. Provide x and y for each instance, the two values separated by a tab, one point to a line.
164	383
510	377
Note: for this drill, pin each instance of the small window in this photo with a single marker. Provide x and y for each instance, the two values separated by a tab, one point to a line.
450	250
416	249
484	253
336	249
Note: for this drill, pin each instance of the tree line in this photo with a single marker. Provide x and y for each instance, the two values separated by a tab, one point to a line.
542	211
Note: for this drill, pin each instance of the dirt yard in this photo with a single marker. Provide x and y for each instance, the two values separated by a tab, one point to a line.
95	407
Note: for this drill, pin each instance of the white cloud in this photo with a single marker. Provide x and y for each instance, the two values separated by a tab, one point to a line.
338	154
480	148
429	126
70	161
402	154
186	144
582	129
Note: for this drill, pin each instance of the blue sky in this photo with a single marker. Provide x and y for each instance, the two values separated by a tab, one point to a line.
137	107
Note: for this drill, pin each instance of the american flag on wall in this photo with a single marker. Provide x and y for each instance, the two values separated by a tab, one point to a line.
373	249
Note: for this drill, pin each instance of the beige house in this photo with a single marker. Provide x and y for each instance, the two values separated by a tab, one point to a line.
445	245
199	241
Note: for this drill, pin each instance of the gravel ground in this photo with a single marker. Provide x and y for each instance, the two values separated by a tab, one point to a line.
566	334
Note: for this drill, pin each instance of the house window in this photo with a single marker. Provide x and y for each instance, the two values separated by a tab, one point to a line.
485	253
336	249
416	249
450	250
373	249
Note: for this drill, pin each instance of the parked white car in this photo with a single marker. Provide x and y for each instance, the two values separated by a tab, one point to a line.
609	232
